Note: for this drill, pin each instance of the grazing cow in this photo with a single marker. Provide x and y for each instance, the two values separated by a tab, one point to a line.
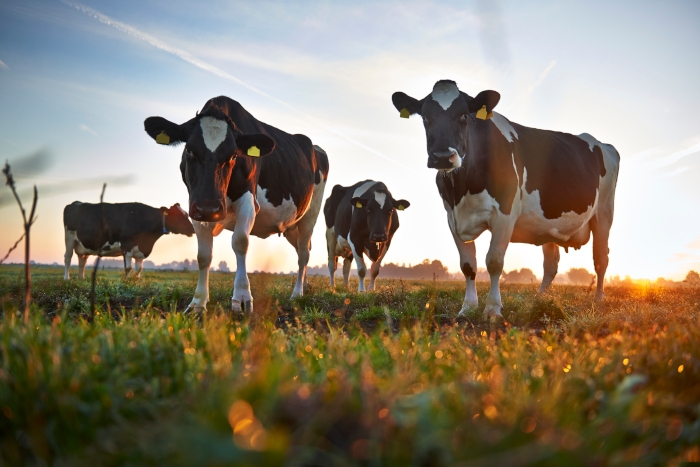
129	230
360	220
249	177
523	184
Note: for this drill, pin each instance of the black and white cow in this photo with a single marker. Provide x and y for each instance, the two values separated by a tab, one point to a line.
249	177
523	184
129	230
360	220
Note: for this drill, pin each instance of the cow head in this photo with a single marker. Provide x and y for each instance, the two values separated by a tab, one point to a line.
446	112
376	208
176	220
212	145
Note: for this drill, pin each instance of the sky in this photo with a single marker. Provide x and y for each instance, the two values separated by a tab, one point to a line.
78	79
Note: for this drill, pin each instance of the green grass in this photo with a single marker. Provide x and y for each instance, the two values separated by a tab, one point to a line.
340	378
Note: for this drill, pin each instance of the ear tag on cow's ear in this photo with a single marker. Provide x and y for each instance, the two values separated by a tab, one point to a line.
482	114
404	113
401	208
163	138
253	151
165	213
358	205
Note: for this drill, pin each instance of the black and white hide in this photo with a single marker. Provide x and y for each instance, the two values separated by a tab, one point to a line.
248	177
523	184
122	229
360	220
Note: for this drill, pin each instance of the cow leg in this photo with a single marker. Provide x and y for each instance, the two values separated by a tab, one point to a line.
138	267
306	229
205	240
292	236
347	264
242	299
68	257
82	260
373	273
601	232
127	263
331	242
467	262
501	231
551	265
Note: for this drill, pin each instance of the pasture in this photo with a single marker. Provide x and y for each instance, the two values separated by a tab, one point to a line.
340	378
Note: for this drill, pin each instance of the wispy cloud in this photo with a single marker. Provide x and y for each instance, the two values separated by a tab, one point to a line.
4	66
543	75
203	65
84	127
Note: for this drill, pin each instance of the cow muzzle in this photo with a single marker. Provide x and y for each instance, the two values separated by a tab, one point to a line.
207	213
444	160
377	238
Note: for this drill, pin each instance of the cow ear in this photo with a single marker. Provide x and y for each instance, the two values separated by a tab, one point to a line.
166	132
358	202
406	105
484	103
256	145
401	204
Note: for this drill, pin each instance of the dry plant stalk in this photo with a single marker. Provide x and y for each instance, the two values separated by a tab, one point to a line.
10	181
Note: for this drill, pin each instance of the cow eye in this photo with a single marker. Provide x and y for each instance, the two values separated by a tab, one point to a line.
464	118
189	154
426	121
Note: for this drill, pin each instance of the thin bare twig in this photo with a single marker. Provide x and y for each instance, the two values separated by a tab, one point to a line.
99	254
12	248
27	222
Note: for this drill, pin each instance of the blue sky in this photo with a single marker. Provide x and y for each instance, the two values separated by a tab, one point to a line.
78	79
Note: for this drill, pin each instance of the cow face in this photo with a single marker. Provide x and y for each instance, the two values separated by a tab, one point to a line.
446	113
377	209
176	220
212	145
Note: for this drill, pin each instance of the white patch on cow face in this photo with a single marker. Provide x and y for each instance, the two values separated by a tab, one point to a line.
380	198
213	132
504	126
359	191
445	94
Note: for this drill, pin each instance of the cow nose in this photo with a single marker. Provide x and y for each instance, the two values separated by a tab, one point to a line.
441	159
206	213
378	237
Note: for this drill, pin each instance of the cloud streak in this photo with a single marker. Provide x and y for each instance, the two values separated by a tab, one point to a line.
84	127
203	65
4	66
543	75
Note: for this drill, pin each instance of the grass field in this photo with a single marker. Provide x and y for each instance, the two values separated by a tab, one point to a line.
339	378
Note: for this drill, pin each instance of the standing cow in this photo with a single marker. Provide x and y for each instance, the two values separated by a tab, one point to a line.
123	229
360	219
523	184
249	177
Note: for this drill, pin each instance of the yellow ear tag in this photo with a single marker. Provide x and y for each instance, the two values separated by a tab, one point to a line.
482	114
165	213
404	113
358	205
253	151
163	138
401	208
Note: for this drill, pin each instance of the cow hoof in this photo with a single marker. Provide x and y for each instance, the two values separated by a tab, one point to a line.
239	306
493	313
194	309
599	297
